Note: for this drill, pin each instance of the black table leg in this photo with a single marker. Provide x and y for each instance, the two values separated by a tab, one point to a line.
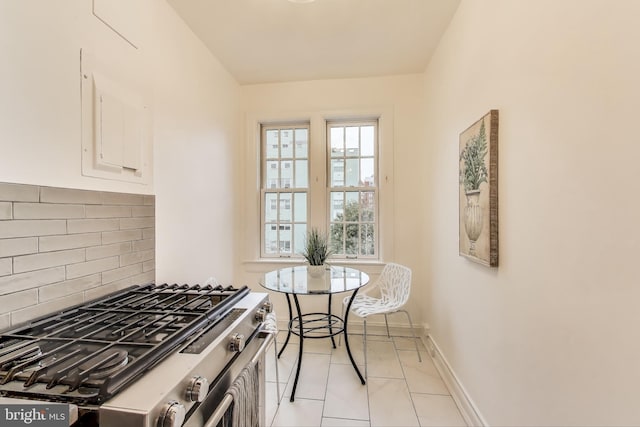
333	341
288	329
346	337
295	381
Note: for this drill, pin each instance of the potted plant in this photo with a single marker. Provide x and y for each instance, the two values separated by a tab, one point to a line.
316	251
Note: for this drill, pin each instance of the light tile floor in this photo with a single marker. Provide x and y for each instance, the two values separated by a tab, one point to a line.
400	391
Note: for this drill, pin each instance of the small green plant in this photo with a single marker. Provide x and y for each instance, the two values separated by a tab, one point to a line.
474	171
316	249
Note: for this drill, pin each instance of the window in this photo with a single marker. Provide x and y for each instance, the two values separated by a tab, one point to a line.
353	191
285	178
342	197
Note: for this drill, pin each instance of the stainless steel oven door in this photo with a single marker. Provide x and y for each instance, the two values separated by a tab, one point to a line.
238	395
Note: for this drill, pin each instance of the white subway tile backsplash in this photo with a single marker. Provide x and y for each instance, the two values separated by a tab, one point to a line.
22	246
122	199
149	266
121	273
99	291
59	247
143	211
18	300
141	245
69	195
102	211
136	257
109	237
28	228
70	241
48	259
68	287
5	266
92	225
29	313
142	222
18	192
47	211
90	267
5	321
149	233
32	279
105	251
5	210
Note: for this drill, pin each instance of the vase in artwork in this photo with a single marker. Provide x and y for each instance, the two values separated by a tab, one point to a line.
473	219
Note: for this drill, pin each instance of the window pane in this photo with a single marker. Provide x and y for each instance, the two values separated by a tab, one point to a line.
286	173
272	144
353	173
367	143
352	141
286	143
299	235
367	206
270	239
337	173
337	234
302	143
351	239
273	180
302	174
300	207
285	207
270	207
286	238
337	141
352	206
367	240
337	205
367	173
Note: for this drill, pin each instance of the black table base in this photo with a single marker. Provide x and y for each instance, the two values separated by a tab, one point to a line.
317	326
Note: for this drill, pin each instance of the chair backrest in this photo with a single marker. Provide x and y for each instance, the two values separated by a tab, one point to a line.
395	284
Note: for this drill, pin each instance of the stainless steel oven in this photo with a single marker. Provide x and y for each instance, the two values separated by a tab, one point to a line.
166	355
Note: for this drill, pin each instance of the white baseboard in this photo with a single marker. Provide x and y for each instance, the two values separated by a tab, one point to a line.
465	404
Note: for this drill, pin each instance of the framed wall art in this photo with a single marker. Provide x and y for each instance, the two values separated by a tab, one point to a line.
478	184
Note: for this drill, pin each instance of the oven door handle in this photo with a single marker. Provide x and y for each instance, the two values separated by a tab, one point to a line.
217	415
220	411
268	339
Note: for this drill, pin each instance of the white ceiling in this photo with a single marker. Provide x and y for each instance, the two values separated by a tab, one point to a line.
261	41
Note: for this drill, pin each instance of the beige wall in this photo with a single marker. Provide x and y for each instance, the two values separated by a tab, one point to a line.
195	121
401	97
197	141
549	337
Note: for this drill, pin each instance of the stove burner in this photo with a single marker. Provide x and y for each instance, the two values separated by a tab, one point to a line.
88	353
105	364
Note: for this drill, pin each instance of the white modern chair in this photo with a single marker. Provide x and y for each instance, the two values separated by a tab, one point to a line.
394	286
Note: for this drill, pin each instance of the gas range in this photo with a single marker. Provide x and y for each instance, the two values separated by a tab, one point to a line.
147	356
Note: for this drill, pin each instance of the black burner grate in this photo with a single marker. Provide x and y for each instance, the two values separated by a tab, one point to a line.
90	352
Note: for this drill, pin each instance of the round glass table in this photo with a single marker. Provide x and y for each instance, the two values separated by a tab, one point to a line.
294	281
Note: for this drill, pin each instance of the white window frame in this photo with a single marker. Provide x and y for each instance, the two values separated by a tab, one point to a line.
252	215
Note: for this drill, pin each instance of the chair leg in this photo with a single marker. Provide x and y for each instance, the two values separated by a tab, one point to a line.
365	347
415	338
340	335
387	325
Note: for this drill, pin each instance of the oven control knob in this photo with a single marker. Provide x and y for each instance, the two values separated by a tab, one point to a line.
236	344
261	315
172	415
268	306
198	389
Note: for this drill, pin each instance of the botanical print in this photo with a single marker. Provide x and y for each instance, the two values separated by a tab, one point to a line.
478	200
